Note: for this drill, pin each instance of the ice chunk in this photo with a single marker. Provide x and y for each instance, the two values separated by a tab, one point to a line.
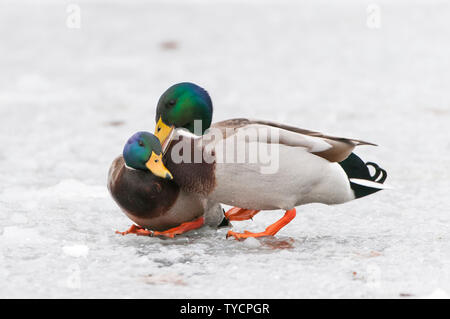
252	242
76	250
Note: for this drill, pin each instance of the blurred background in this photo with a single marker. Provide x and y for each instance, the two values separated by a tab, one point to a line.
78	78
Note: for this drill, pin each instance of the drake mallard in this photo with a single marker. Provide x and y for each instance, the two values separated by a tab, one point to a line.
313	167
152	200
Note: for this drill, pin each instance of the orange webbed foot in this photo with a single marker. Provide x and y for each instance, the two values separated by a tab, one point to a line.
183	228
270	230
237	213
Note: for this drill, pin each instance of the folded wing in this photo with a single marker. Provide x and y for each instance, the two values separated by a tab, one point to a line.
331	148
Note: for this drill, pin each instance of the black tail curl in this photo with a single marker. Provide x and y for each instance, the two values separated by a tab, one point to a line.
354	167
378	171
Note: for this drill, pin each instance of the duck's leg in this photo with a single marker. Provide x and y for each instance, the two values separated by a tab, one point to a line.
237	213
183	228
270	230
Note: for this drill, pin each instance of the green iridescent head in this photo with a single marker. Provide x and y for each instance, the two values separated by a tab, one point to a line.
182	104
143	151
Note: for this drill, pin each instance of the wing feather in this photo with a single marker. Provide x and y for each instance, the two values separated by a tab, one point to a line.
331	148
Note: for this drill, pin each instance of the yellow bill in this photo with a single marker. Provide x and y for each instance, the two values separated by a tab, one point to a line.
164	133
156	166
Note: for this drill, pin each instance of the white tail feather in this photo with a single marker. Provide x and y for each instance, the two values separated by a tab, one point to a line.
367	183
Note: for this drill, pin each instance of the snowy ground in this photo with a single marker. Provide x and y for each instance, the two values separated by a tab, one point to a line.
70	98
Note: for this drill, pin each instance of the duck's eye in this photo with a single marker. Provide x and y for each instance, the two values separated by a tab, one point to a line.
171	102
156	161
141	143
159	128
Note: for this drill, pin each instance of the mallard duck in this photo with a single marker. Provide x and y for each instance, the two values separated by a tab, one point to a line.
152	200
313	167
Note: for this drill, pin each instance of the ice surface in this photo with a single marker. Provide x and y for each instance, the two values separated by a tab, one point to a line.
70	98
76	250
